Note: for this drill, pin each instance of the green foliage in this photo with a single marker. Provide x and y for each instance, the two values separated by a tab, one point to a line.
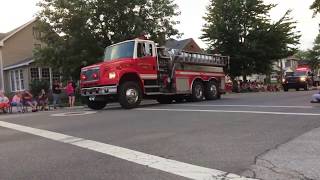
315	7
37	85
77	31
303	55
312	55
243	30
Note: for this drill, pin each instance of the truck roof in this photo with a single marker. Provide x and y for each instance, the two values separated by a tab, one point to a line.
140	40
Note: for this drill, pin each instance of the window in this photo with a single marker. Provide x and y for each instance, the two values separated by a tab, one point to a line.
55	76
37	46
288	63
16	80
45	74
34	74
36	33
21	79
12	80
149	50
141	50
119	51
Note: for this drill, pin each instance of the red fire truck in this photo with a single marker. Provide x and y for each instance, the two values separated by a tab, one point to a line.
137	69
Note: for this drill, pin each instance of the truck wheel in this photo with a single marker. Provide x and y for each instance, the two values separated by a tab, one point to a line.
130	95
211	91
164	99
96	105
197	91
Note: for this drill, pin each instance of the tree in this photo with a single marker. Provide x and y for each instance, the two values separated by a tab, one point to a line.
243	30
77	31
303	54
315	7
312	56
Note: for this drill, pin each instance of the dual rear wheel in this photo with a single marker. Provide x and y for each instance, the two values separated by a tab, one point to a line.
200	91
209	91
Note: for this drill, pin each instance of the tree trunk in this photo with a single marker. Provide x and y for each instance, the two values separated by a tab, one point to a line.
244	78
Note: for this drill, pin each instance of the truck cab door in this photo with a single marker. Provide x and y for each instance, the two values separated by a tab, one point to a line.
146	60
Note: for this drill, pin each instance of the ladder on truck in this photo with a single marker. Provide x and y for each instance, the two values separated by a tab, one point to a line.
199	58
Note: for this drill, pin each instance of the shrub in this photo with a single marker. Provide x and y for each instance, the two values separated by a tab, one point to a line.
37	85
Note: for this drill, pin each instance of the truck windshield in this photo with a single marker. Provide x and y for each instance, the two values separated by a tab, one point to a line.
300	73
123	50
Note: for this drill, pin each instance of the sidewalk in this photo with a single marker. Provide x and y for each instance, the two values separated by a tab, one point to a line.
298	159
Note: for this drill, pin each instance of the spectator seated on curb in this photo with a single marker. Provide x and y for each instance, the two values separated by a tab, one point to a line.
316	98
17	102
4	102
27	99
43	100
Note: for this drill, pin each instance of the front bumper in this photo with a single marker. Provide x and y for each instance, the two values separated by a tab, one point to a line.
295	85
99	91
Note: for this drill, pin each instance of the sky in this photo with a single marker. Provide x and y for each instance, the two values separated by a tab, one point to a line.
14	13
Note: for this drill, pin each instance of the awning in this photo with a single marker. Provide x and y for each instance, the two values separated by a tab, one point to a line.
22	63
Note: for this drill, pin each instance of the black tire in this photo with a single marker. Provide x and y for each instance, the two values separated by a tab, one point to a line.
165	99
297	89
130	95
197	92
96	105
211	91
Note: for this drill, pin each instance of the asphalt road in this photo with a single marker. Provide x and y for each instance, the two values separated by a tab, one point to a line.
226	135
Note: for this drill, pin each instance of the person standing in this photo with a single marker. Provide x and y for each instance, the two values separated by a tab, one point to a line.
56	92
70	90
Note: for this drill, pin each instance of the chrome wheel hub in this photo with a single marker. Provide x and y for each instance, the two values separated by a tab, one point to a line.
199	92
213	90
132	96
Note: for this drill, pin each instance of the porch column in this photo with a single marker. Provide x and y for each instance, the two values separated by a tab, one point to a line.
51	76
1	72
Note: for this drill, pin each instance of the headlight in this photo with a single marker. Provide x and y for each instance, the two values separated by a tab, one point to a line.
283	80
112	75
303	79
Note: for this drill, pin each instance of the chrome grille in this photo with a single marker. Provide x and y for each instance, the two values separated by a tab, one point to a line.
89	74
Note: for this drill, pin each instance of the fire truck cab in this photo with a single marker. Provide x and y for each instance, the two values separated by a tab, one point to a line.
137	69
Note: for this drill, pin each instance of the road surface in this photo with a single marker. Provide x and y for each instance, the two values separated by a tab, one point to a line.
200	140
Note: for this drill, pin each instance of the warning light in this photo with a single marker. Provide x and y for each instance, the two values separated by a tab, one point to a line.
83	77
303	69
95	75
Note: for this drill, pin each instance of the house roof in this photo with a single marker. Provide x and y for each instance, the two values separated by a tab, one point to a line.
175	44
24	62
6	36
2	35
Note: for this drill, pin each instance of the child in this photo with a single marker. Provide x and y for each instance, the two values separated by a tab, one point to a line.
70	90
17	101
43	100
4	102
